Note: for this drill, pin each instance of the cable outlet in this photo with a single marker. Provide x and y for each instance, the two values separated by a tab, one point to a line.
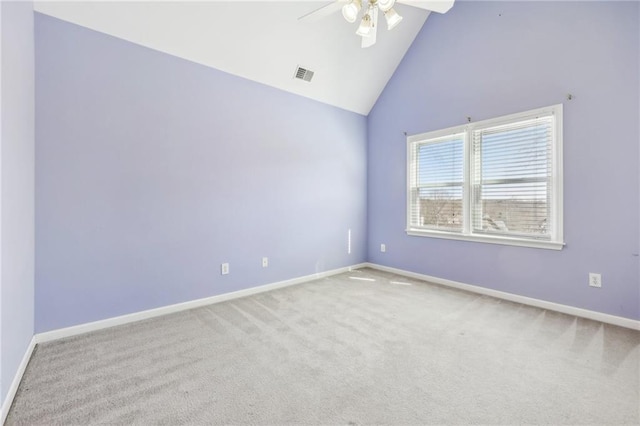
595	280
224	268
383	248
265	262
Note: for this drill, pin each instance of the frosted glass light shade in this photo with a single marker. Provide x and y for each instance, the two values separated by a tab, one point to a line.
385	5
392	18
364	29
350	10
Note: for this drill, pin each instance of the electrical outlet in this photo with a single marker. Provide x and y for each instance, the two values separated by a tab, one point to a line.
224	268
265	262
349	241
383	248
595	280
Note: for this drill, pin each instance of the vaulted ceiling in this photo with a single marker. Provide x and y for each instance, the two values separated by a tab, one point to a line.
262	41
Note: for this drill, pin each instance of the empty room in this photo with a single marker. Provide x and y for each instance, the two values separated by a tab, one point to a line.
345	212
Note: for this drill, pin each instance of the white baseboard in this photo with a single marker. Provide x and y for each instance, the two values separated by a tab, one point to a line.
8	400
565	309
165	310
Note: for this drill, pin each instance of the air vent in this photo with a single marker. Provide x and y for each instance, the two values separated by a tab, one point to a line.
303	74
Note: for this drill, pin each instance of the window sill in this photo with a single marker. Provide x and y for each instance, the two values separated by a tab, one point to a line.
520	242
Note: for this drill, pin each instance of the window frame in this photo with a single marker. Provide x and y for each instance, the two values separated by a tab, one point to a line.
556	240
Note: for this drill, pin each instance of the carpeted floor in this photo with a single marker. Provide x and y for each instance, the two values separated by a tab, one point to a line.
380	349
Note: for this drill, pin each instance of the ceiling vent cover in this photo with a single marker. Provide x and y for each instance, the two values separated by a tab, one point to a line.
303	74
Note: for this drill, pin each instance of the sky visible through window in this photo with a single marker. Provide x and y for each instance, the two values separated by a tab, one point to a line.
513	164
441	168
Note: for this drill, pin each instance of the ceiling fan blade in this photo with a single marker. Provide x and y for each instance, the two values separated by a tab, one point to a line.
371	39
323	11
440	6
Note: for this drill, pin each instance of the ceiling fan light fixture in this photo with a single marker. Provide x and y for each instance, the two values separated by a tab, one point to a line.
350	10
393	19
365	27
385	5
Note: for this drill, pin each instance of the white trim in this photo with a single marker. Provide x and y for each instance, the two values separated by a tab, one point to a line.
480	238
558	175
6	405
3	411
543	304
170	309
442	134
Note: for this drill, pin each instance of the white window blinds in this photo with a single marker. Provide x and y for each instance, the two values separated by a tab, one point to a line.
512	178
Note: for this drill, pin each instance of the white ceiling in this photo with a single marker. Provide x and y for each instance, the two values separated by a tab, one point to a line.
262	41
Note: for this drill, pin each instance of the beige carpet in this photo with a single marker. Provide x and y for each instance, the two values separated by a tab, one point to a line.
341	351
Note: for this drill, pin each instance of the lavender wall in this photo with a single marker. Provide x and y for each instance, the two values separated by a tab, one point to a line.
486	59
151	171
16	177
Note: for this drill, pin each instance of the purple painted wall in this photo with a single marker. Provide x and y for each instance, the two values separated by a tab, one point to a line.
151	171
487	59
16	176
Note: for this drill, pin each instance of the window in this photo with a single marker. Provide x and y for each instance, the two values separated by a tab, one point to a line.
496	181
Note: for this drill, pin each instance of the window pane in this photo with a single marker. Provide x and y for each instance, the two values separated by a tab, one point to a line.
522	152
438	176
519	209
440	162
441	208
512	178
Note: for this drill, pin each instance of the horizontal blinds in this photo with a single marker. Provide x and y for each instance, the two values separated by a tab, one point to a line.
511	177
437	183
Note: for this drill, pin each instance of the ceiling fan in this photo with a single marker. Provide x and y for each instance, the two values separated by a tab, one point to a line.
368	26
